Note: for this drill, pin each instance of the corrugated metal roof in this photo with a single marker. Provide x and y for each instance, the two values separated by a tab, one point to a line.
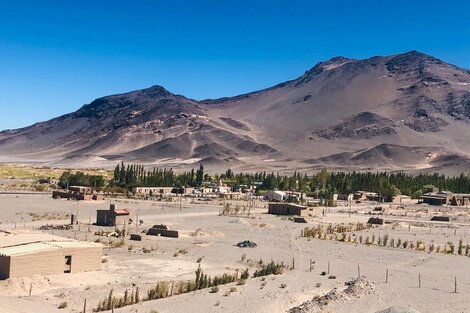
20	237
35	247
18	243
26	248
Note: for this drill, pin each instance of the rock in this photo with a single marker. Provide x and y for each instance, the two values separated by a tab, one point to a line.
246	244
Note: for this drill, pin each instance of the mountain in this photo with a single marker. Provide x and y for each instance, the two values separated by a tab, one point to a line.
408	111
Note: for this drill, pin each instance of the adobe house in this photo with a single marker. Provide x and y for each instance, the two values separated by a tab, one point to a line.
25	254
231	195
441	198
287	209
112	217
367	196
400	199
275	195
81	189
76	193
152	191
460	200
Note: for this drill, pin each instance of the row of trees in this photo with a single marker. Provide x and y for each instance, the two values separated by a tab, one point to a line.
81	179
132	175
321	185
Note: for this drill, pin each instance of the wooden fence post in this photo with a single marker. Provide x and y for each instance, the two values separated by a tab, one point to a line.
328	267
419	280
358	271
386	276
84	306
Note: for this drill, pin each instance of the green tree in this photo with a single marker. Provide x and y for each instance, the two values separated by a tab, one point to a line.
200	175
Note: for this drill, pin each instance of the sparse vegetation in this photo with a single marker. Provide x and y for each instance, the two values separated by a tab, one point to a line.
330	233
270	269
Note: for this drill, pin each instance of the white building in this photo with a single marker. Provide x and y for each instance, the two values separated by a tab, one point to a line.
152	190
275	195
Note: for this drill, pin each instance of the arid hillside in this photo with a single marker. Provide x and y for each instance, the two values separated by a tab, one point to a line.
408	111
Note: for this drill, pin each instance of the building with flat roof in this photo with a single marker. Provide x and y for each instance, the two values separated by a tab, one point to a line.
24	254
275	195
112	217
287	209
77	193
436	198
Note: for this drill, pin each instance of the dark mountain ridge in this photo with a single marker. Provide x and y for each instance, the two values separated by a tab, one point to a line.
339	107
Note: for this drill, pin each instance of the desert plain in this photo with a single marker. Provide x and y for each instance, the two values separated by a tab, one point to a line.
392	279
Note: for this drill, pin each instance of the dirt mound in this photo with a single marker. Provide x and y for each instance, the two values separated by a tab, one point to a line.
354	289
21	285
238	221
205	233
264	225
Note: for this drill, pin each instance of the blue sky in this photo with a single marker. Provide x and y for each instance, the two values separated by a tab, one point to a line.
56	56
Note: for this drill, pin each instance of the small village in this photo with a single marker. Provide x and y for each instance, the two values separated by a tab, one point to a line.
148	238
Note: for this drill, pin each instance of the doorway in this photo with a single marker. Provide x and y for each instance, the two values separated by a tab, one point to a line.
68	264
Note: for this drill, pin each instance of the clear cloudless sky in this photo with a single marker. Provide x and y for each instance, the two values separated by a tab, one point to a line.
56	55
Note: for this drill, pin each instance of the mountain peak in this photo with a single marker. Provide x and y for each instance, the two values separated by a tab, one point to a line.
416	53
326	65
331	63
156	91
410	61
157	88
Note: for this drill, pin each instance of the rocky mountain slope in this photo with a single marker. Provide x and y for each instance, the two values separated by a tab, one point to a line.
408	111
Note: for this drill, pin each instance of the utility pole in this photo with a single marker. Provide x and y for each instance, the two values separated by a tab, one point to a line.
349	207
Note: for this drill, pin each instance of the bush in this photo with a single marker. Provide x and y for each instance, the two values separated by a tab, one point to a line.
245	274
270	268
63	305
214	289
162	290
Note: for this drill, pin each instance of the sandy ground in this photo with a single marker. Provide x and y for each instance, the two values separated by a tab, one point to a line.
278	239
